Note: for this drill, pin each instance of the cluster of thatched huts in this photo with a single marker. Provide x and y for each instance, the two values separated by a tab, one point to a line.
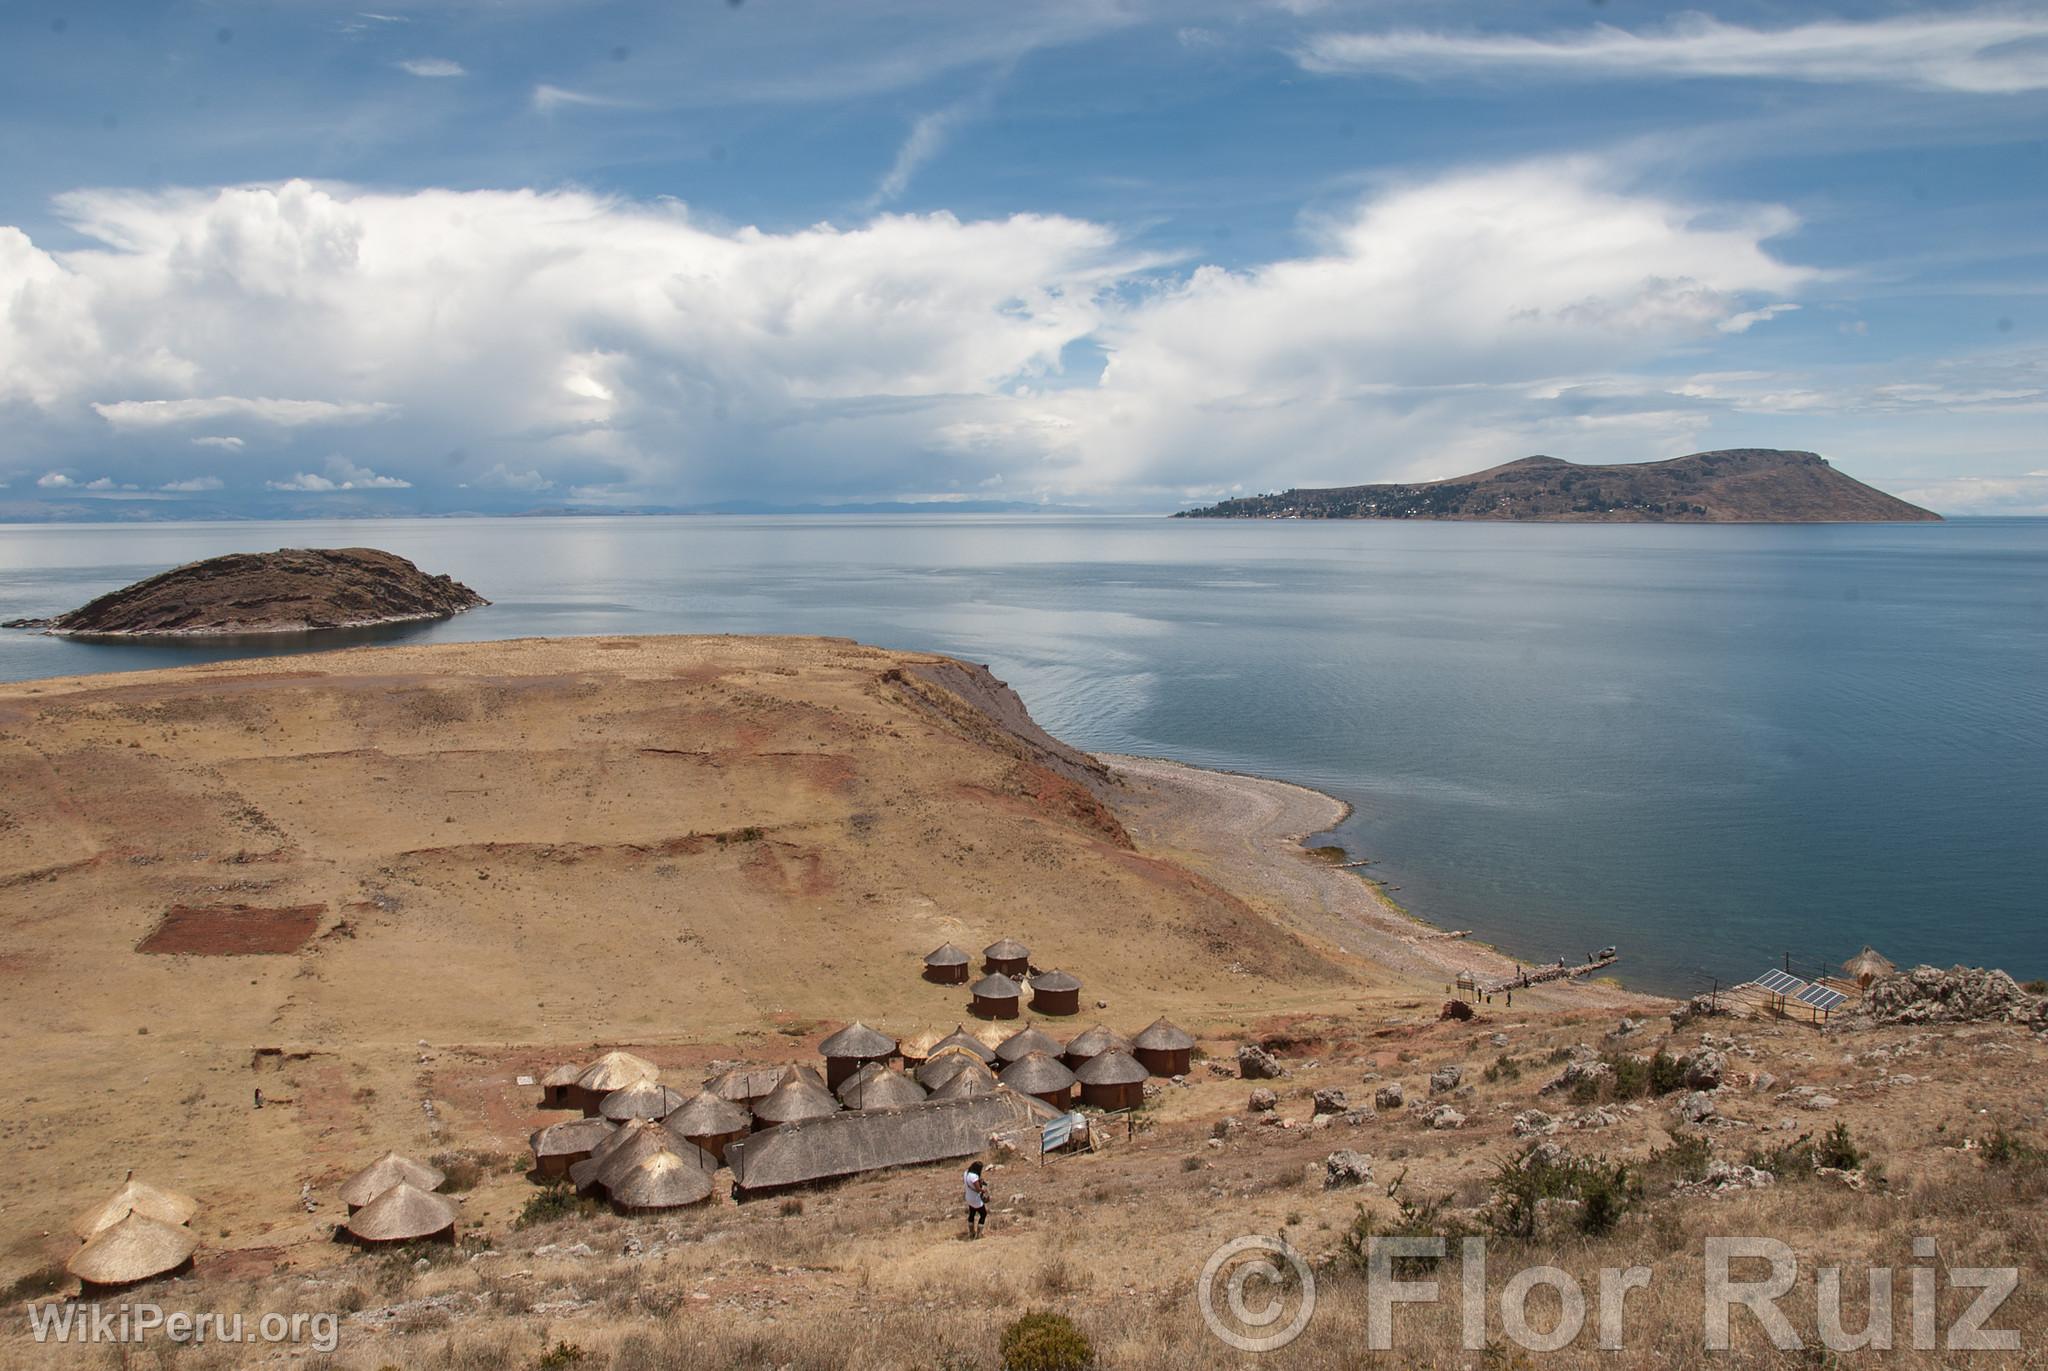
141	1233
392	1201
878	1103
1006	977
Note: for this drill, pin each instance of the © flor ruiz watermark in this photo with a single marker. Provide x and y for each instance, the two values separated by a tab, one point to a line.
1258	1294
89	1324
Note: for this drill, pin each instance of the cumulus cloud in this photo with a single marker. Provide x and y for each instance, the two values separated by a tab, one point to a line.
620	351
55	480
193	484
432	67
1982	52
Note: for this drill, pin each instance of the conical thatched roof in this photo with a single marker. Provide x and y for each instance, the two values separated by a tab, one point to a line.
635	1143
884	1090
922	1043
866	1072
960	1037
402	1214
1111	1068
136	1197
1055	980
848	1144
945	1063
132	1248
858	1041
641	1100
635	1133
569	1137
561	1076
796	1098
707	1116
388	1170
616	1071
995	986
1869	964
945	954
1161	1036
1005	950
966	1083
661	1180
1024	1042
1093	1042
1036	1073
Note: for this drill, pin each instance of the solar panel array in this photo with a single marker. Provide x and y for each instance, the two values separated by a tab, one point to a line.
1788	986
1781	983
1820	997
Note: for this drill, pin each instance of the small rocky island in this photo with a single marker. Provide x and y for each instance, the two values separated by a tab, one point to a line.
292	590
1733	486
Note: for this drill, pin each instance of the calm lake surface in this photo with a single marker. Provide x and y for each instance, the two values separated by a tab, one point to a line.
1710	746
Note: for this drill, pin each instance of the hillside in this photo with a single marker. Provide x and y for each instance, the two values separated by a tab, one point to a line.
1739	485
292	590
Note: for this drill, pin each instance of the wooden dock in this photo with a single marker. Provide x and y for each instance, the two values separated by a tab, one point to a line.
1545	974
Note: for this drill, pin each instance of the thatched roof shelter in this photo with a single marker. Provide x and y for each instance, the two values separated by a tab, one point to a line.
796	1098
560	1146
388	1170
612	1071
1040	1074
707	1116
1868	965
557	1085
919	1046
642	1136
867	1072
944	1064
960	1037
848	1144
1056	992
996	996
1024	1042
661	1180
845	1051
968	1081
1006	956
885	1089
946	964
136	1197
990	1036
1112	1080
640	1100
133	1248
1164	1048
1093	1042
404	1213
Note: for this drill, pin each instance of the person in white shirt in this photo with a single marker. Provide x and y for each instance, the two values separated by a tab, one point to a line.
977	1200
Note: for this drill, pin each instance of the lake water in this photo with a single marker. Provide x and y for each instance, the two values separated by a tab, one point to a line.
1710	746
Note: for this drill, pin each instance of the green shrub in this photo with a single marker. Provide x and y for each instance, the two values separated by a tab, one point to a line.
562	1354
1422	1218
1837	1150
2004	1149
1045	1341
1666	1075
1686	1159
1505	1068
558	1201
1604	1191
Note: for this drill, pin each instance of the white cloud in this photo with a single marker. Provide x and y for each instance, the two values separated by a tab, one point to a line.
1981	52
55	480
226	442
193	484
928	135
432	67
1741	323
500	478
547	99
152	414
342	474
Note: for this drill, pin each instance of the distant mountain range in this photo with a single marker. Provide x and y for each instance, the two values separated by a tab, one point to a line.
1738	485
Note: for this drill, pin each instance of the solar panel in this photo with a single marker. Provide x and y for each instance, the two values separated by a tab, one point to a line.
1820	997
1781	983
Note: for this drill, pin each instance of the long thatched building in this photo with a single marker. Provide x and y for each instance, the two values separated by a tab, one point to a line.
848	1144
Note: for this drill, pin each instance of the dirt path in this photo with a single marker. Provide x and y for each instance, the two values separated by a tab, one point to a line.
1245	833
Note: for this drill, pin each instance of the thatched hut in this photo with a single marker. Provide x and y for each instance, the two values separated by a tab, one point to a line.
612	1071
946	965
560	1146
1093	1042
1040	1075
1112	1080
636	1140
1055	992
851	1048
658	1182
814	1150
132	1249
359	1190
1868	965
640	1100
941	1066
996	996
404	1213
1164	1049
710	1123
885	1089
1006	957
961	1037
918	1046
796	1098
136	1197
558	1087
1024	1042
971	1079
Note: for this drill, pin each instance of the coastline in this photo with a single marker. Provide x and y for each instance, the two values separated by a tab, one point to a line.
1246	832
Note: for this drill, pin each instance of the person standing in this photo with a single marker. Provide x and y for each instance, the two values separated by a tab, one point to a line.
977	1200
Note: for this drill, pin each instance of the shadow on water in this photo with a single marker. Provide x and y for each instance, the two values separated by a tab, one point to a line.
124	652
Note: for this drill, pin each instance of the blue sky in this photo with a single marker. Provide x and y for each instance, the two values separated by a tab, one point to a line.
310	257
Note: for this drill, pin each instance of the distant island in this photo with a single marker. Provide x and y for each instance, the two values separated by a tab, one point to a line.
1734	486
292	590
